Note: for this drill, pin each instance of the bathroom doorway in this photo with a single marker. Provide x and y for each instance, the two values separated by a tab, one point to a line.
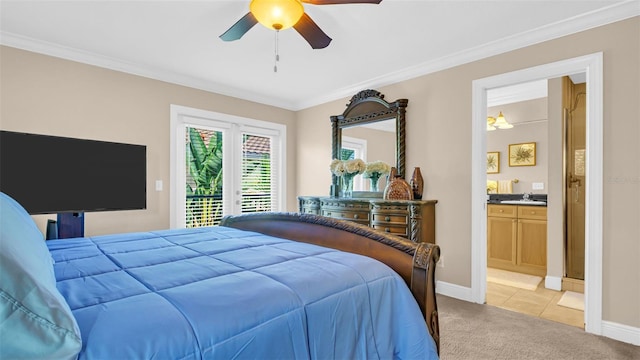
516	237
592	66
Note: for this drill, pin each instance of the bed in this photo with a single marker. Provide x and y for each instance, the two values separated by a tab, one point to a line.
265	285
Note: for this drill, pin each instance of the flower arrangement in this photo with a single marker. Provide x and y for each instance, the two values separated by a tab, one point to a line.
374	170
346	170
347	167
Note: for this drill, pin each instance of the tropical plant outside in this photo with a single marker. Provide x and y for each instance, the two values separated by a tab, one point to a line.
204	205
204	184
347	154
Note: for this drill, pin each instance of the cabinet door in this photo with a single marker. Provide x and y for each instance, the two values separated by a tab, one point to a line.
532	245
501	244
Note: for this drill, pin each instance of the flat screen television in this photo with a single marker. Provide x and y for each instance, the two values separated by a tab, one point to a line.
50	174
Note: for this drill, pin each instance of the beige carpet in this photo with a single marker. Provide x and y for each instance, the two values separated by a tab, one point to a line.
522	281
483	332
572	300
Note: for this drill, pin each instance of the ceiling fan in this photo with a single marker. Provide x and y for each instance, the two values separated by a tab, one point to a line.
283	14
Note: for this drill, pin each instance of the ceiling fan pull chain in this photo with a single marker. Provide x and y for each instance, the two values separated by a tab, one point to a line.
275	66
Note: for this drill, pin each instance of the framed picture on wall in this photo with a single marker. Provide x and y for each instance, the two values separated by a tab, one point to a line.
523	154
493	162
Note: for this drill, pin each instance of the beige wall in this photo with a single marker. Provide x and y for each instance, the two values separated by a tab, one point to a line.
530	125
443	152
46	95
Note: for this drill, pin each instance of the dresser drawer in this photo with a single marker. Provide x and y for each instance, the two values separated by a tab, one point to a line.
508	211
532	212
308	205
357	216
391	229
310	210
390	218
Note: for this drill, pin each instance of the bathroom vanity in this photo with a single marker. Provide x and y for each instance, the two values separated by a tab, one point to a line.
517	237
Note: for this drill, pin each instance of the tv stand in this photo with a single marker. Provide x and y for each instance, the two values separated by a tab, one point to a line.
70	225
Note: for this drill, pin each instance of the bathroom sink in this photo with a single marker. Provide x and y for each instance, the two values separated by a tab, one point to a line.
523	202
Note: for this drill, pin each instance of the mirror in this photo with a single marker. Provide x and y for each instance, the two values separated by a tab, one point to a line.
381	124
370	142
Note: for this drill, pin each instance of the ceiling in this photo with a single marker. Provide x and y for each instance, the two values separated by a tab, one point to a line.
373	45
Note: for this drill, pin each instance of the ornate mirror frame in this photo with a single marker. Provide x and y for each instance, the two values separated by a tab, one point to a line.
365	107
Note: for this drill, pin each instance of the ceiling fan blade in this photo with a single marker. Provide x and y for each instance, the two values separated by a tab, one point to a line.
311	32
238	29
334	2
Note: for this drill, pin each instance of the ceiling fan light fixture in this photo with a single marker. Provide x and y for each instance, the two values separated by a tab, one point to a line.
277	14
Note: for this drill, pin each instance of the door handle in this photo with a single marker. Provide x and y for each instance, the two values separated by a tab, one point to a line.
574	184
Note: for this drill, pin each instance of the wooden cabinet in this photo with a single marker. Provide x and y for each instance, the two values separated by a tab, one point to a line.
412	219
502	232
517	238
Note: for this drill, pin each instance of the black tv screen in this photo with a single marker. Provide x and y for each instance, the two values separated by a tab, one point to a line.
50	174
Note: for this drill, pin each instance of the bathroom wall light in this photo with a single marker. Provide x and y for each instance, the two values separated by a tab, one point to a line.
498	123
501	122
490	121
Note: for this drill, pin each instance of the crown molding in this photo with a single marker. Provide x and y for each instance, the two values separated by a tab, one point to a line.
610	14
613	13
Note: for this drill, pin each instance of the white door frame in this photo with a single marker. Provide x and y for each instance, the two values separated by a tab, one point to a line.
181	115
592	65
360	147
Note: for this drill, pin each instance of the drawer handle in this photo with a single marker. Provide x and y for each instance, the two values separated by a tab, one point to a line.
387	230
328	214
533	213
501	210
387	218
355	216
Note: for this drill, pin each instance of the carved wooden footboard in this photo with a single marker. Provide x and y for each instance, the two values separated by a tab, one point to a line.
414	262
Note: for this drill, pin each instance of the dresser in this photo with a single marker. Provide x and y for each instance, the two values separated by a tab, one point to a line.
412	219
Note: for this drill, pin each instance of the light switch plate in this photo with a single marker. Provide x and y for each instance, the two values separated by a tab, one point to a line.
158	185
537	186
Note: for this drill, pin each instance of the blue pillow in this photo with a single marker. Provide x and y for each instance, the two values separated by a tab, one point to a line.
35	319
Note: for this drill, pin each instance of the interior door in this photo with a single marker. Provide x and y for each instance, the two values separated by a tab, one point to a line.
575	124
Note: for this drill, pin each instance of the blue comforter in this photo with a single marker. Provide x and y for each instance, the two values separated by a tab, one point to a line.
224	293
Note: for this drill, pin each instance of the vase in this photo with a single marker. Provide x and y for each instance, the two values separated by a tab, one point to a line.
346	188
417	184
398	189
374	177
392	174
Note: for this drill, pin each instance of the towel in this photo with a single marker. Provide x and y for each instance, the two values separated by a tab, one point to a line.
492	186
505	187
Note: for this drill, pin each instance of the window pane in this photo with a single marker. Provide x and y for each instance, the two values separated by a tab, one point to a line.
203	177
257	187
347	154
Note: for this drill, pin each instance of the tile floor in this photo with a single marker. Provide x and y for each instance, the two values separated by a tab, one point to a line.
540	302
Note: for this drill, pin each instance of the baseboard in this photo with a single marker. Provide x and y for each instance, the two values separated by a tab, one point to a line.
621	332
454	291
553	283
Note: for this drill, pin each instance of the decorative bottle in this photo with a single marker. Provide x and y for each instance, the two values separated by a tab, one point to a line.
397	188
417	183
